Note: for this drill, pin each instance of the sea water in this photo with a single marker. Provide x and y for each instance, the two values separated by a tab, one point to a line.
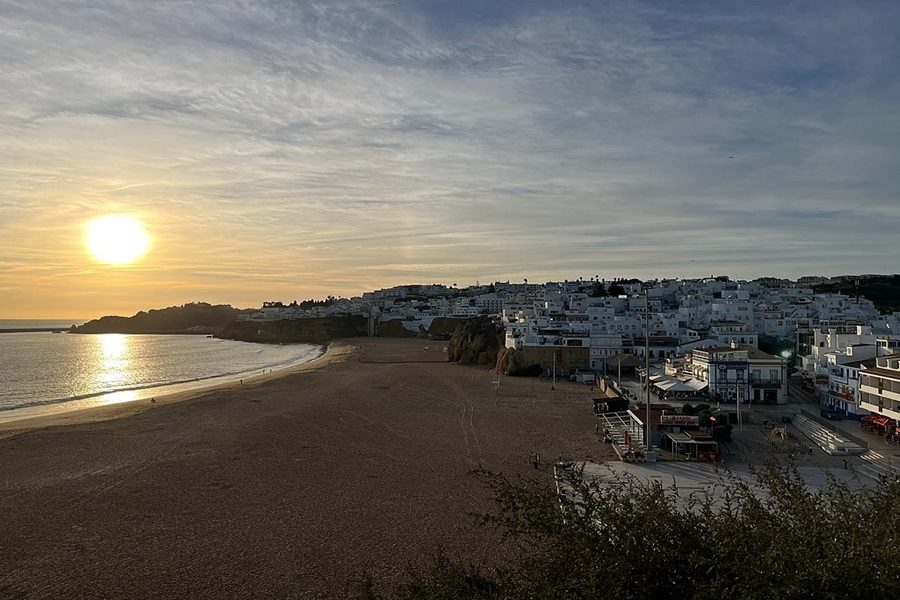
58	369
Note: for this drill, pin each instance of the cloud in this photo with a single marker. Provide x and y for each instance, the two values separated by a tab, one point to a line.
331	147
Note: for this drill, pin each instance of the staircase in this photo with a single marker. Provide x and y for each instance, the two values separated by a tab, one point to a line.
618	423
824	438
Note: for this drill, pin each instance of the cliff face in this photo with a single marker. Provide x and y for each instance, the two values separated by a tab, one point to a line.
476	342
394	329
444	325
309	331
190	318
508	360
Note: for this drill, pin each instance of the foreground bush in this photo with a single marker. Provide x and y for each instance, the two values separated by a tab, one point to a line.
774	539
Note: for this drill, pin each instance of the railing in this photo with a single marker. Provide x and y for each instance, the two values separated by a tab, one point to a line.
766	380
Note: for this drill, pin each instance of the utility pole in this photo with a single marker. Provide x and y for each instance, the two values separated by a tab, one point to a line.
647	358
553	385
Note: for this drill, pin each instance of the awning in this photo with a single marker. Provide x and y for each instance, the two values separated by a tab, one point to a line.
679	386
880	421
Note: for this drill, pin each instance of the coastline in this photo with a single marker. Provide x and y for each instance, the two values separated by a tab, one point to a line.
297	484
118	404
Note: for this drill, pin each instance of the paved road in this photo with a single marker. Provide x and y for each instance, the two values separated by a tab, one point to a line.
798	394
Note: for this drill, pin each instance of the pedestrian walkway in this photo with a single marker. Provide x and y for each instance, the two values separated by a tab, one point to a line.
873	441
877	465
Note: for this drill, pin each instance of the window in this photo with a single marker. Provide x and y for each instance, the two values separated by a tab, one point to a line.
773	374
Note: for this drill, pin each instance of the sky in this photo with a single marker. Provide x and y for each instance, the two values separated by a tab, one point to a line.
281	150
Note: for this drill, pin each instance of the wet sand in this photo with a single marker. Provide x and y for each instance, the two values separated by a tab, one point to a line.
293	486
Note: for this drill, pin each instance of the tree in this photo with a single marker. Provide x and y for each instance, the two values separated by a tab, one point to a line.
599	290
766	538
722	433
616	290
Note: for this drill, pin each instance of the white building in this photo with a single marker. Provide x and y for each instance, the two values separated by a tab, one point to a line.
880	387
841	397
741	374
833	339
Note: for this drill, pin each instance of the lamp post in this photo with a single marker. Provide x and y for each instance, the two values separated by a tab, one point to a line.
553	385
647	358
785	355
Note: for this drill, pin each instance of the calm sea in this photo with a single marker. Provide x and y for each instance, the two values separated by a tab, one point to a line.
38	323
60	370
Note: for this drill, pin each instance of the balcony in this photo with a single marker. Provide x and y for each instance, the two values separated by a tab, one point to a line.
765	380
891	390
888	409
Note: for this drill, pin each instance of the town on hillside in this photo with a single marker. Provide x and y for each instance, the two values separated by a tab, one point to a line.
732	343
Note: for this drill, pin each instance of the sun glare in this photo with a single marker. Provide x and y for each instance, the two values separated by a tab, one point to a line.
116	239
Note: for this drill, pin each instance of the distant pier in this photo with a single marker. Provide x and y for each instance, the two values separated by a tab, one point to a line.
36	330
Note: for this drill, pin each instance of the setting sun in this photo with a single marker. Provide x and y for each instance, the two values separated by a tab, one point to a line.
116	239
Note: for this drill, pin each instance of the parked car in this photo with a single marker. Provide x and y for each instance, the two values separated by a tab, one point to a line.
830	415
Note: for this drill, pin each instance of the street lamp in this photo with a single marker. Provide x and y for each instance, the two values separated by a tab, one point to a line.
785	356
647	358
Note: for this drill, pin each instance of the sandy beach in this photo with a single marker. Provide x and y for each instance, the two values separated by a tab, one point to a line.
287	486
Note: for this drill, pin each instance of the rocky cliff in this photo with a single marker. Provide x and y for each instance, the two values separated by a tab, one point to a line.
511	362
476	342
198	317
395	329
309	331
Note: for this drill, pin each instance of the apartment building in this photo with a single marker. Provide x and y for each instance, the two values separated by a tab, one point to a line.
742	374
879	388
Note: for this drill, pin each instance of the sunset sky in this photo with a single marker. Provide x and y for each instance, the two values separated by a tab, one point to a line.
286	150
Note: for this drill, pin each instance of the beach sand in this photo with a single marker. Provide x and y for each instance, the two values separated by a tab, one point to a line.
293	485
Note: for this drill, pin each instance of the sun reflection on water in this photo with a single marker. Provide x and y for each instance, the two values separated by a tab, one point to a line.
113	360
118	397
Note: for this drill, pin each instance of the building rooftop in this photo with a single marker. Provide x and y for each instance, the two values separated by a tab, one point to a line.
750	350
658	340
882	372
869	362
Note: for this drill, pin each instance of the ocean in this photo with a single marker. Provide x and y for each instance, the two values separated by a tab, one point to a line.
54	371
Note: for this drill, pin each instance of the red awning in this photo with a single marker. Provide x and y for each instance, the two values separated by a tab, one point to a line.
869	418
880	421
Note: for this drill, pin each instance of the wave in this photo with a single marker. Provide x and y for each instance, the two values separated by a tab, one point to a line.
296	360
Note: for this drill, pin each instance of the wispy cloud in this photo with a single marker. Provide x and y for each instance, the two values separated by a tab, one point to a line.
293	149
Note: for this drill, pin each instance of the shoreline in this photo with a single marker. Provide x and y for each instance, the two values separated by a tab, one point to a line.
113	405
297	484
